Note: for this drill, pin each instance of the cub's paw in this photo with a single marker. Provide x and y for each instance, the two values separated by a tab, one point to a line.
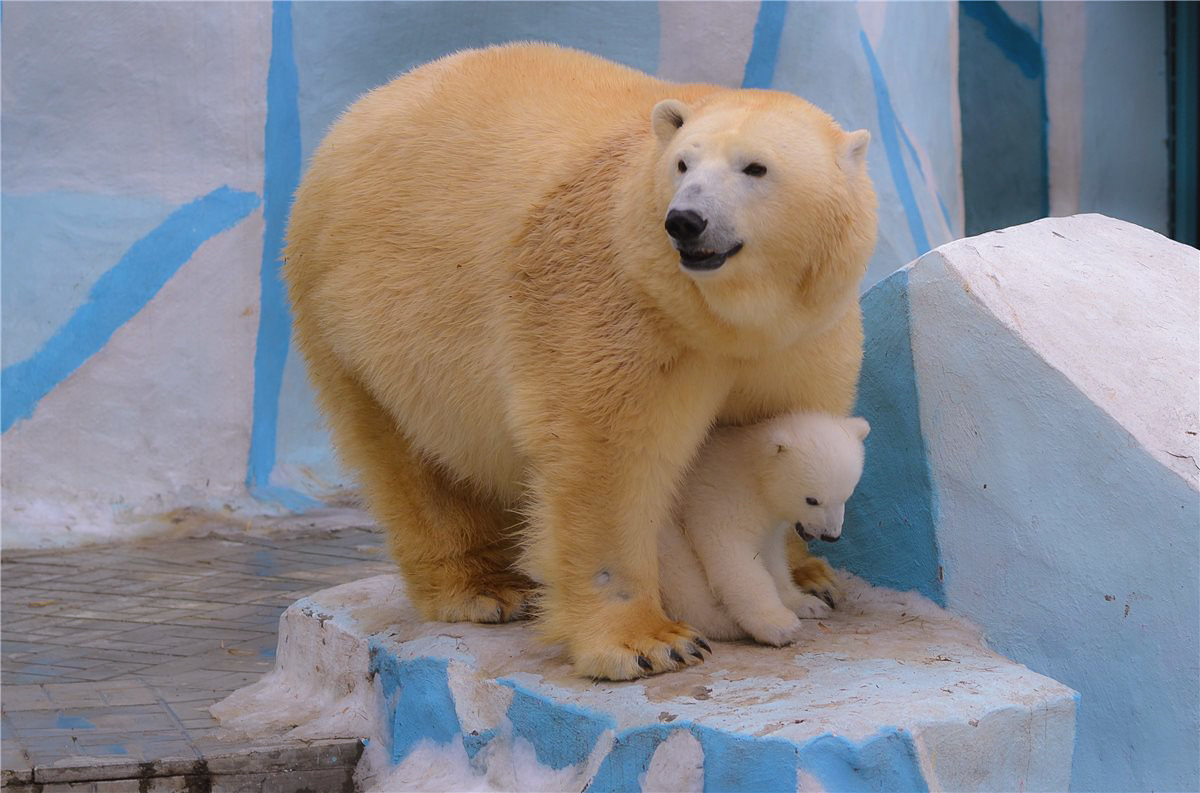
775	628
814	576
632	648
806	606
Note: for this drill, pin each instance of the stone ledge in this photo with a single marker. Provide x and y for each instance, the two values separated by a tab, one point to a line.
296	766
890	692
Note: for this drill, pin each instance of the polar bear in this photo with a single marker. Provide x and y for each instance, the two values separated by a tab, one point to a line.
527	281
724	563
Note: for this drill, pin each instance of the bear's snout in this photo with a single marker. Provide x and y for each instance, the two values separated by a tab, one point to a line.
685	225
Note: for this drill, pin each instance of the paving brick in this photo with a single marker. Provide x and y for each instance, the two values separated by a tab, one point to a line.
137	641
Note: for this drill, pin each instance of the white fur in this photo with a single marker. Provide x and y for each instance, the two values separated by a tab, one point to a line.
724	565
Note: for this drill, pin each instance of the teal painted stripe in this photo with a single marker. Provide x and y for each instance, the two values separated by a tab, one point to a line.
1185	172
118	295
280	178
1013	40
890	534
764	52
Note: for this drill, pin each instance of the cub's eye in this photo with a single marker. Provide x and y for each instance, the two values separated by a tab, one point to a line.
755	169
682	166
812	502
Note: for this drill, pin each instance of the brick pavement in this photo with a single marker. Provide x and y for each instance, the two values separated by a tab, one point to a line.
112	654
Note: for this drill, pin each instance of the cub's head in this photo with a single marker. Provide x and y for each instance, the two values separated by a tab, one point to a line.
811	464
767	204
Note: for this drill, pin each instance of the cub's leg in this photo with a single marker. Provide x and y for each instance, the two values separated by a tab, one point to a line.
801	603
455	547
748	590
812	573
733	562
686	595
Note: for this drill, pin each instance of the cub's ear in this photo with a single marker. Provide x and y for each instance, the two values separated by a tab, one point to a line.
853	149
667	117
858	427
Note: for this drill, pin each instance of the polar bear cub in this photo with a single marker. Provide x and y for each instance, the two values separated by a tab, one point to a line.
724	563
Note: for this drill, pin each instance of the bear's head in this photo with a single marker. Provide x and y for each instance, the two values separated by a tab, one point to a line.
767	207
810	465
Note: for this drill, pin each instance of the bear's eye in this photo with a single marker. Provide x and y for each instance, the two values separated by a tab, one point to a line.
682	166
812	502
755	169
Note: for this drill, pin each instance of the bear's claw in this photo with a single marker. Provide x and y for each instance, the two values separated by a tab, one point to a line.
661	646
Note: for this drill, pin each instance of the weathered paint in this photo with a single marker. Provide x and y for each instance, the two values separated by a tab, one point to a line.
83	234
419	701
887	694
118	295
561	735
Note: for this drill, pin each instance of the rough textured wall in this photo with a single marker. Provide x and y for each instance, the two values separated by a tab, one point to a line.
1033	465
1064	109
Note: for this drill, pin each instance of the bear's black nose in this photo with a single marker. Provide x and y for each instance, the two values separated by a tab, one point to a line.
685	225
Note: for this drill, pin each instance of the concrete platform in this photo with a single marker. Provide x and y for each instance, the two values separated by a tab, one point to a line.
890	693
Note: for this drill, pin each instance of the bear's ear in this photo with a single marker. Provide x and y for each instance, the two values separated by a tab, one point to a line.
854	149
858	427
667	117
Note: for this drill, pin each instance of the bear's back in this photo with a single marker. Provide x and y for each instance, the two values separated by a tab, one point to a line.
481	134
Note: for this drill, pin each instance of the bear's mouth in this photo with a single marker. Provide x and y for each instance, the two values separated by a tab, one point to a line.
703	260
804	535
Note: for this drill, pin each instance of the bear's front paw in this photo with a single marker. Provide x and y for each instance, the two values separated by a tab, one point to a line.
775	628
806	606
627	646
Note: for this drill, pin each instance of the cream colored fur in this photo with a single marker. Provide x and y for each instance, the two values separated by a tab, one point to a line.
507	349
724	564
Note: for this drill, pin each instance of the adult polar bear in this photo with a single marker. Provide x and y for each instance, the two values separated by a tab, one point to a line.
502	334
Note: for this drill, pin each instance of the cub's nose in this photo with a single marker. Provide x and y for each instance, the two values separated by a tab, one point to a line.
685	225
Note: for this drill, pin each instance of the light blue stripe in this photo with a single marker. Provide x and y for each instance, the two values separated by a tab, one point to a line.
764	52
118	295
280	178
889	129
